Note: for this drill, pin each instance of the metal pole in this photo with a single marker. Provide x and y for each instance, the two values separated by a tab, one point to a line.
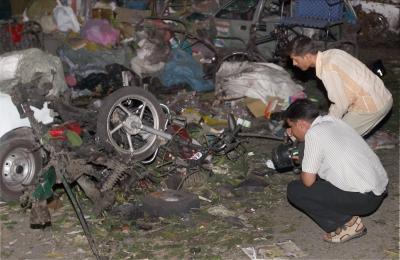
81	217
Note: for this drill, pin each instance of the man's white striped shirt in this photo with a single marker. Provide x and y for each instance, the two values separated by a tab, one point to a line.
338	154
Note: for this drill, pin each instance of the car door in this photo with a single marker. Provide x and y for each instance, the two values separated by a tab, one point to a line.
236	19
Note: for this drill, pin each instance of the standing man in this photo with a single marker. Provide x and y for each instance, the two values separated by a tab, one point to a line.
341	178
358	96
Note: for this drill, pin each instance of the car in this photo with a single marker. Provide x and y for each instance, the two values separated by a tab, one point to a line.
20	157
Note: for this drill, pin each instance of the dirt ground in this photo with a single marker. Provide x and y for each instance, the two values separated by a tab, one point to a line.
249	217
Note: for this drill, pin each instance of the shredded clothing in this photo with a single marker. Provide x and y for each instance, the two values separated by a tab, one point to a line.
339	155
352	87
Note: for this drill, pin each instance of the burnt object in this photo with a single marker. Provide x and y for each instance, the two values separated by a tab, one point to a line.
104	83
169	203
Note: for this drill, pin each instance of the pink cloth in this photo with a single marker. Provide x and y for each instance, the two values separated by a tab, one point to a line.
100	31
70	80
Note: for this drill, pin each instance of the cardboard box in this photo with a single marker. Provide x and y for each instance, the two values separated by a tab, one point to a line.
274	105
256	106
101	13
259	108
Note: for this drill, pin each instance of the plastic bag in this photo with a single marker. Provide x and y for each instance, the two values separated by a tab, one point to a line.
183	68
256	80
100	31
65	18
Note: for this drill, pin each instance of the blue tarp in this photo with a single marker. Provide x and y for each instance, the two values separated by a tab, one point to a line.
183	68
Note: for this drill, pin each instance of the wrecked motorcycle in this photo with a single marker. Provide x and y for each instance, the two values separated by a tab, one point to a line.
133	124
127	132
112	145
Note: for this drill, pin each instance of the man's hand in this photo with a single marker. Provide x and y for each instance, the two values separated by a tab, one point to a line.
308	179
290	135
296	159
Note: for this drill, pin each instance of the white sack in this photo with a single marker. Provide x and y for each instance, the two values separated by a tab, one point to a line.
65	18
9	66
255	80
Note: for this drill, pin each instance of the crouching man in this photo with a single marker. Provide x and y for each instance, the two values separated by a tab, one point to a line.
341	178
358	96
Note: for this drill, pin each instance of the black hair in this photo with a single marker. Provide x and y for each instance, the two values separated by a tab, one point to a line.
302	109
302	45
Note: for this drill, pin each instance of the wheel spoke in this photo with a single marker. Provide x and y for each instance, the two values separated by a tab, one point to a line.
124	109
116	128
128	136
142	111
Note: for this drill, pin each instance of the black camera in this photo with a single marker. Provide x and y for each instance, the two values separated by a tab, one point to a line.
287	156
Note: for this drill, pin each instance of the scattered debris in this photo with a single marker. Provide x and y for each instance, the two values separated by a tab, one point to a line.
205	199
220	211
253	183
128	211
275	251
150	57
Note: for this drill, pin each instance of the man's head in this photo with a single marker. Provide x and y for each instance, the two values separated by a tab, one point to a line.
303	51
299	117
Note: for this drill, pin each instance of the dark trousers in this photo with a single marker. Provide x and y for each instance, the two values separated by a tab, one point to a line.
329	206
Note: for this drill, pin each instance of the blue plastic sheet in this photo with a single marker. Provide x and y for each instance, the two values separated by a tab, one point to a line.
137	4
183	68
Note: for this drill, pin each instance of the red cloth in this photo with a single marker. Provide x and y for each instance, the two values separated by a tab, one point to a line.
16	32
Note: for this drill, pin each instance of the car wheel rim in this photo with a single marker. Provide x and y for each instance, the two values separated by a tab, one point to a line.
18	169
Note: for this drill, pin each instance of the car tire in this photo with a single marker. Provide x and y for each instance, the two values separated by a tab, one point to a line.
20	163
169	203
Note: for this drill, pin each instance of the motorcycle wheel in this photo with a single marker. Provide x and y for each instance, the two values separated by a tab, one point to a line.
119	113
